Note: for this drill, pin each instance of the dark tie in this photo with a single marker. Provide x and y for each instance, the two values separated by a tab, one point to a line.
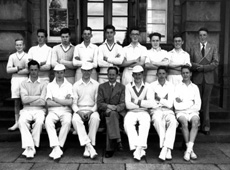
203	50
111	87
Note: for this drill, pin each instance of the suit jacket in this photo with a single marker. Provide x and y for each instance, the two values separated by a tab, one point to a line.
210	61
107	96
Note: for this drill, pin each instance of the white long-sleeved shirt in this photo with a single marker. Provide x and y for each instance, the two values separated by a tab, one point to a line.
33	94
156	56
85	54
144	93
41	55
166	94
60	92
180	57
190	97
85	95
114	53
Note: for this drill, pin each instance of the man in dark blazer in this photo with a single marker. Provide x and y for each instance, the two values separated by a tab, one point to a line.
204	59
111	106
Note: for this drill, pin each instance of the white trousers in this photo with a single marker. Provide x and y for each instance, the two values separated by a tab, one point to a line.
51	119
137	138
79	126
165	124
31	137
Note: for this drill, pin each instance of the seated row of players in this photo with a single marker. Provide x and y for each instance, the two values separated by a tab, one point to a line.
108	54
145	103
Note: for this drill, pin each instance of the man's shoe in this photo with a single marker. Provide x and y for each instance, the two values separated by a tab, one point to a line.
109	154
187	155
57	153
206	132
14	127
25	152
137	154
193	155
168	154
86	153
119	146
30	153
51	155
92	151
163	153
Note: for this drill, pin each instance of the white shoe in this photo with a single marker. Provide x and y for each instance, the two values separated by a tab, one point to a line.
168	154
30	152
92	151
86	153
25	152
187	155
137	154
51	155
14	127
193	155
163	153
143	153
57	152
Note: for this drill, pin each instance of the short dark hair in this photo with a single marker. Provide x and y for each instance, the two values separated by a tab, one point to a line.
109	27
162	68
65	31
20	39
178	35
33	62
43	31
88	29
186	67
113	68
155	34
203	29
134	28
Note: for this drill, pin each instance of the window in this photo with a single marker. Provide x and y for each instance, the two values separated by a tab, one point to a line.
157	18
57	18
103	12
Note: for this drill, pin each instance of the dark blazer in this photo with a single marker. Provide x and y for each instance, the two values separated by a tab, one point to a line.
106	96
210	61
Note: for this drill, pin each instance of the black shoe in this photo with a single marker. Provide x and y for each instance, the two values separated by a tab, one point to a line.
109	154
119	146
206	132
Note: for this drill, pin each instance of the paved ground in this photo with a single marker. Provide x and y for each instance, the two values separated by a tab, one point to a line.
211	156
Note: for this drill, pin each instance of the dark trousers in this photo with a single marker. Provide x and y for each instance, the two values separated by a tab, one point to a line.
205	93
113	130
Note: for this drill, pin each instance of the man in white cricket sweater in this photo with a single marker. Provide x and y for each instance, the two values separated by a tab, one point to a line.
138	99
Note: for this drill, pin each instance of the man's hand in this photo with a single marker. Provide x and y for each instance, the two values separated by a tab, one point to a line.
77	58
200	68
42	63
107	112
68	96
117	56
105	58
112	107
178	100
157	98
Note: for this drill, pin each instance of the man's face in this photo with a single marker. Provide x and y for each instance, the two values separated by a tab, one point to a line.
134	35
186	74
203	36
138	77
59	74
86	73
19	45
161	74
178	42
65	38
87	35
109	33
155	41
112	76
41	38
34	71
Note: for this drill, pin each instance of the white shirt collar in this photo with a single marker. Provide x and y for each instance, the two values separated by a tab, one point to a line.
30	81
